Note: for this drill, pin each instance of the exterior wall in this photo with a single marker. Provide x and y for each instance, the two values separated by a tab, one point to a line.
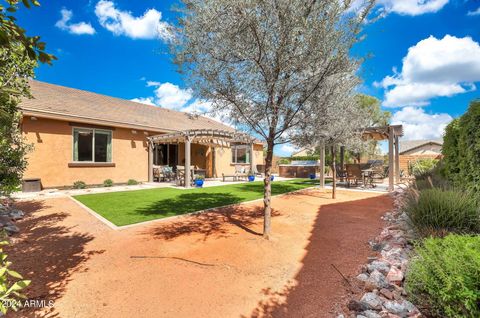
429	149
223	160
52	141
432	151
406	159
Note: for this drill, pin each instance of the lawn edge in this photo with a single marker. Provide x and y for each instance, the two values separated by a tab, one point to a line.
170	218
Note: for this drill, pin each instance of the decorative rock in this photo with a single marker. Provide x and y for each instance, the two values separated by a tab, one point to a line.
341	316
16	214
361	316
382	266
357	306
11	229
386	293
394	275
396	308
362	277
376	281
5	220
372	301
371	314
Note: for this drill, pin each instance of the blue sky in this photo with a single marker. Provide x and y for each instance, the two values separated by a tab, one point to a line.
424	56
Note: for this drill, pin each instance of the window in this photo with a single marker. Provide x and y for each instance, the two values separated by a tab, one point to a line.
92	145
240	154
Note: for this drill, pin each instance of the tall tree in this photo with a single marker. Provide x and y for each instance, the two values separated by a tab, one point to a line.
19	55
338	123
266	63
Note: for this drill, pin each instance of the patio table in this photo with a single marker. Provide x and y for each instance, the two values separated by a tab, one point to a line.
367	178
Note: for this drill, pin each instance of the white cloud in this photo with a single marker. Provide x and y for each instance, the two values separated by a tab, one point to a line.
169	95
144	100
418	125
412	7
287	150
74	28
434	68
148	26
404	7
475	12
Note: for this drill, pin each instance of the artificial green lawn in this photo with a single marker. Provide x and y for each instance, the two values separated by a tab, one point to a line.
128	207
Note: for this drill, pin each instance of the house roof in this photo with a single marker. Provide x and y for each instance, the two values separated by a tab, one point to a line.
64	103
408	145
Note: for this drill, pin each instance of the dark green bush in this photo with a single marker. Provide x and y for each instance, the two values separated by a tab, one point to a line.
443	279
108	183
79	185
438	211
132	182
461	149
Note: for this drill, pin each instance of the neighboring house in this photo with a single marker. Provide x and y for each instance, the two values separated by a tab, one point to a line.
79	135
412	150
303	152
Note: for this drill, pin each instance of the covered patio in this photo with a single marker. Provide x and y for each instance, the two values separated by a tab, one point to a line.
210	138
392	133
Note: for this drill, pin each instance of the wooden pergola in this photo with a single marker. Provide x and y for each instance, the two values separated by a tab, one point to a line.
392	133
207	137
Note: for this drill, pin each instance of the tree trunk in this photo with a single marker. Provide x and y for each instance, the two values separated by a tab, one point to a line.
334	172
267	191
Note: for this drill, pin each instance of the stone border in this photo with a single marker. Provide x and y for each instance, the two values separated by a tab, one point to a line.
382	278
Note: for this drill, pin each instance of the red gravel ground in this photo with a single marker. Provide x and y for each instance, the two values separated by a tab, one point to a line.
208	265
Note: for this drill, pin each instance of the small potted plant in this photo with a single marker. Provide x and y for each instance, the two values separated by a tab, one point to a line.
251	176
312	176
272	177
199	181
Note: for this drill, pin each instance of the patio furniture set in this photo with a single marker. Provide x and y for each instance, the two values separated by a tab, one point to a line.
176	174
366	175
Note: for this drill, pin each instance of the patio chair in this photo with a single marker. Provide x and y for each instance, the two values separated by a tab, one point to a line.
241	172
342	174
354	174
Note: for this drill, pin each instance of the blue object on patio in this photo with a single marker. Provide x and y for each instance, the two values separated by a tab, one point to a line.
272	177
312	176
251	178
199	183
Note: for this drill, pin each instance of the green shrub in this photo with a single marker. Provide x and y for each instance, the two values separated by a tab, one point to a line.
108	183
132	182
461	149
438	211
423	167
79	185
11	283
443	279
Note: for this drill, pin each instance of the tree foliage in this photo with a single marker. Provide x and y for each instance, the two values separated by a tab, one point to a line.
461	149
19	55
268	65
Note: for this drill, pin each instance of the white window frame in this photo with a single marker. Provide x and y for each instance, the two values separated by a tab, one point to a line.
93	144
234	148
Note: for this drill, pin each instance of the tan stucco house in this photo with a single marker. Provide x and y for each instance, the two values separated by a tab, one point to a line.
84	136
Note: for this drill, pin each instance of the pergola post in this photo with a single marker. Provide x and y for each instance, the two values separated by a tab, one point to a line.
187	161
390	159
214	159
252	164
322	164
397	160
150	161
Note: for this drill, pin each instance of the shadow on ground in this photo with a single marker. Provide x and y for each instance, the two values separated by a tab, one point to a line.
188	202
212	223
47	253
337	244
